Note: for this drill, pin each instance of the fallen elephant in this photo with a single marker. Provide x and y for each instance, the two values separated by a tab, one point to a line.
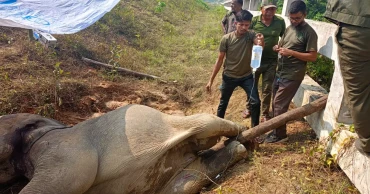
134	149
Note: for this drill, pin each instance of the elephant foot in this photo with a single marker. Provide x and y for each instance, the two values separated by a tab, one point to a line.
200	172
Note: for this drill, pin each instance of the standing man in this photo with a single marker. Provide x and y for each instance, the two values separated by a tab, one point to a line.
297	46
236	48
353	37
228	22
271	27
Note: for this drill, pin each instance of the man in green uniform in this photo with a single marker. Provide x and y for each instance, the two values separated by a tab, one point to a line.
353	37
228	22
236	48
297	46
271	26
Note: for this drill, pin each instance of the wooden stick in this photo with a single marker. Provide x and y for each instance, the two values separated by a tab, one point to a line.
280	120
123	70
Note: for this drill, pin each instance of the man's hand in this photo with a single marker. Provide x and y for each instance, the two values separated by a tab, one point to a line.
259	39
285	52
208	87
276	48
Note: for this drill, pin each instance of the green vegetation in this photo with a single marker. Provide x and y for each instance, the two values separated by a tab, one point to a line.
321	71
163	40
316	9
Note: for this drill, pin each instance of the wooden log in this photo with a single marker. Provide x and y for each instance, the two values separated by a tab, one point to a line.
280	120
123	70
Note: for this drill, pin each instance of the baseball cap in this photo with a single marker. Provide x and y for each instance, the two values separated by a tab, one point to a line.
268	4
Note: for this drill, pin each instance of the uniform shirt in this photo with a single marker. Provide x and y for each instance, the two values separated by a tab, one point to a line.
271	35
238	51
229	22
354	12
301	39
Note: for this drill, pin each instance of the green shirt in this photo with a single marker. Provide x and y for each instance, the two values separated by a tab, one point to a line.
354	12
238	51
301	39
271	35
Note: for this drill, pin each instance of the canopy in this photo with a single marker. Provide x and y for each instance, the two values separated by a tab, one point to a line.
53	16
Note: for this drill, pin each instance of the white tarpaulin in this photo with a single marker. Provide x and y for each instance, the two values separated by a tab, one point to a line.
53	16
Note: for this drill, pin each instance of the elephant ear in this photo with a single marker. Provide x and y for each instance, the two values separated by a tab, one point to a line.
20	131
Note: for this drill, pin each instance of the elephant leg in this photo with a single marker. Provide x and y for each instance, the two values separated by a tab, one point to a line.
72	173
197	174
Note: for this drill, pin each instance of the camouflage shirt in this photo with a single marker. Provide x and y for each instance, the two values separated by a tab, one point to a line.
229	22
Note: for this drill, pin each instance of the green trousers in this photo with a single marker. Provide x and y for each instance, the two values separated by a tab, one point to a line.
267	71
354	58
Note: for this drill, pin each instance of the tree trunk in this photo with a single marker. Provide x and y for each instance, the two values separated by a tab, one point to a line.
280	120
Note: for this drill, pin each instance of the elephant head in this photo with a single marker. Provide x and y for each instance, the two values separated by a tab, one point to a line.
18	132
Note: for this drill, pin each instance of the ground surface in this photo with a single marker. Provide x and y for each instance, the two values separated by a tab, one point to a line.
291	167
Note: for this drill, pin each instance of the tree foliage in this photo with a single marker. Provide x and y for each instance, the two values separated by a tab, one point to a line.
316	9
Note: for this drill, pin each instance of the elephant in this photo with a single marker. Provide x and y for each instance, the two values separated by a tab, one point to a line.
133	149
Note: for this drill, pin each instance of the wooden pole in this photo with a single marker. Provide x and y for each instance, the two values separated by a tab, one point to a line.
123	70
280	120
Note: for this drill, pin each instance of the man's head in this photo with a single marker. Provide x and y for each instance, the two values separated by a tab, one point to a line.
297	12
268	9
243	21
236	5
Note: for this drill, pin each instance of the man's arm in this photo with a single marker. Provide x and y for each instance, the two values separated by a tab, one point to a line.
216	69
311	48
311	56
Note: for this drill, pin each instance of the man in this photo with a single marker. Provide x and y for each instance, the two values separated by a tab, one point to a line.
228	25
228	22
237	48
271	27
297	46
353	37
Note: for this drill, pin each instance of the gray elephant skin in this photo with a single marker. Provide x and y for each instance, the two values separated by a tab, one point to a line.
133	149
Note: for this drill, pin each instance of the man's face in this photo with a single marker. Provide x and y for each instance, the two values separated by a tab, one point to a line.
268	13
235	6
296	18
242	27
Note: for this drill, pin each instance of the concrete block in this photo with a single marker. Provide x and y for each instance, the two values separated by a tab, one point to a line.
308	92
355	164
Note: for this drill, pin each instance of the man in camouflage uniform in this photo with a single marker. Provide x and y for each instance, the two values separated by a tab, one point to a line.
228	22
353	37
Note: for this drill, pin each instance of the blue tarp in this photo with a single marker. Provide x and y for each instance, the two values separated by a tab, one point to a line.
53	16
